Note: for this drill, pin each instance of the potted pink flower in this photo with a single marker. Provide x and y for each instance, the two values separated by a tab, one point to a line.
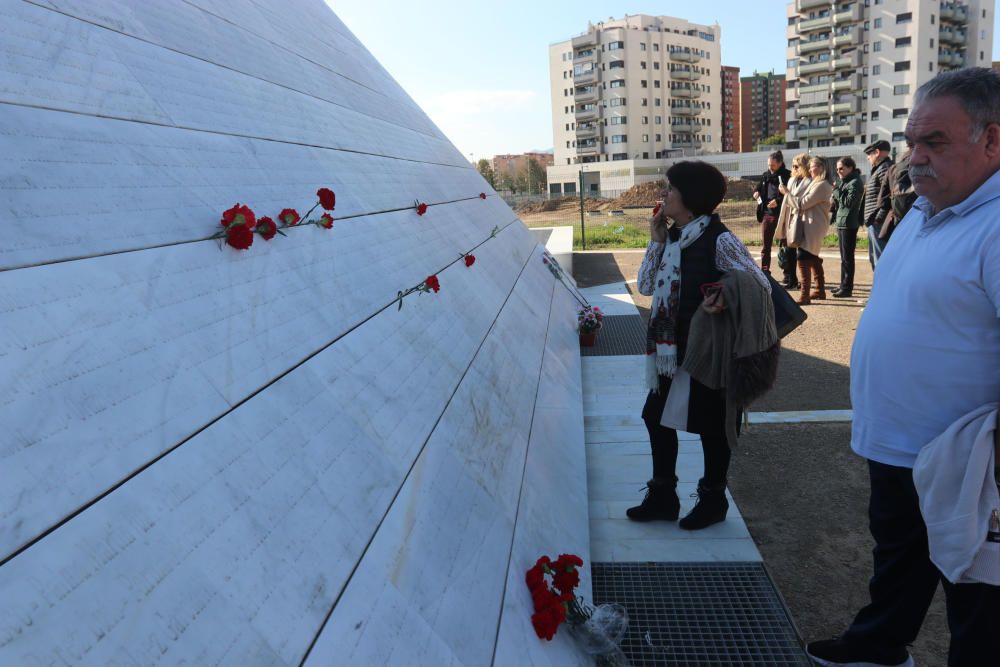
589	320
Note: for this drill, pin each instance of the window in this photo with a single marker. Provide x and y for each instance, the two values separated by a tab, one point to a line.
903	41
619	138
874	115
902	89
642	84
900	113
877	23
644	103
656	47
619	156
614	46
656	102
656	65
877	46
898	136
656	84
876	70
616	64
932	19
642	46
659	137
642	65
659	120
617	83
905	17
874	92
903	66
645	120
932	42
930	67
616	102
645	138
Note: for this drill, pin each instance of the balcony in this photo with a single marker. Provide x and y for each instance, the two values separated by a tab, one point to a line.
849	105
586	95
585	76
849	38
687	93
588	148
684	56
692	143
850	128
589	39
804	5
813	25
685	75
816	110
852	15
683	128
813	132
815	68
852	82
852	61
814	88
950	36
584	115
587	131
811	45
586	56
685	111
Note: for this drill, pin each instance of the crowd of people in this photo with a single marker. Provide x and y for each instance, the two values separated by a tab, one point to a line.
925	362
797	207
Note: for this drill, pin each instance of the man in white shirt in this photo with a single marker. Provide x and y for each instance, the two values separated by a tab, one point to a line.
926	352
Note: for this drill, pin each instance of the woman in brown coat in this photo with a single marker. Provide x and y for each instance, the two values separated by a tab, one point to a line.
808	225
796	185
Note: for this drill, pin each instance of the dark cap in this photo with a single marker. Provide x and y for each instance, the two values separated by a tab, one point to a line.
880	145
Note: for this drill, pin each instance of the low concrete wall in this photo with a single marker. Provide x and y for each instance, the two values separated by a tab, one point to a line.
559	242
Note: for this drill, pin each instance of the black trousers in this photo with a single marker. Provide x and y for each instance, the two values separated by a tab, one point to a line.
791	262
905	580
706	417
768	225
848	240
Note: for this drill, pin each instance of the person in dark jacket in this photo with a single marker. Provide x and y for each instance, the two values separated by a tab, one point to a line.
847	198
688	252
873	215
896	196
769	200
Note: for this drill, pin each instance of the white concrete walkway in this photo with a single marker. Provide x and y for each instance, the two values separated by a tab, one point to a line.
618	465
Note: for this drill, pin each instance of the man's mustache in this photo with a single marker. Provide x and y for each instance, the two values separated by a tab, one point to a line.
925	171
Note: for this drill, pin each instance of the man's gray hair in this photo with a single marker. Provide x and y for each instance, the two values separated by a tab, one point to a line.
977	90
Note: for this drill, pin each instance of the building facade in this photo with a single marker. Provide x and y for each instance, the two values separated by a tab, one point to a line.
730	109
638	88
853	67
511	165
762	108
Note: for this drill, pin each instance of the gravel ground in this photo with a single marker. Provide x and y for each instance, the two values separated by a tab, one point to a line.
802	491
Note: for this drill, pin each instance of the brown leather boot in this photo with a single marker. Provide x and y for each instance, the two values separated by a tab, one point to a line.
805	277
820	291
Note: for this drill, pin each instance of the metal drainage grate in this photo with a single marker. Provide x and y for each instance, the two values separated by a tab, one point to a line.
704	614
619	334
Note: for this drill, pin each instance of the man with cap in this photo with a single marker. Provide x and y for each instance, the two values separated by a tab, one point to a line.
873	214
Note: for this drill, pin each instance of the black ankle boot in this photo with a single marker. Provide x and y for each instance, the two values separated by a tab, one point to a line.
661	502
711	508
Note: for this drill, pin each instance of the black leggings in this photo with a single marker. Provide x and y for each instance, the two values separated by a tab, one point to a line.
663	441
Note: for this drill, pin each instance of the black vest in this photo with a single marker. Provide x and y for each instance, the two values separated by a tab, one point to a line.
697	268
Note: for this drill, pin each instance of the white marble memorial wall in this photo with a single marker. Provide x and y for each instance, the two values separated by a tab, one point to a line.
252	457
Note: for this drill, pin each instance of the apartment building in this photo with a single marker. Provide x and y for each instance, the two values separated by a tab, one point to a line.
762	108
638	88
853	67
511	165
730	109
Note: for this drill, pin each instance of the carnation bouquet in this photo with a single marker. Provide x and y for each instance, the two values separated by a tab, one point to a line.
589	319
597	631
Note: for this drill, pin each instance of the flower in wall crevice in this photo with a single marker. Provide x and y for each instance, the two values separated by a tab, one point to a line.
240	223
482	195
469	260
420	207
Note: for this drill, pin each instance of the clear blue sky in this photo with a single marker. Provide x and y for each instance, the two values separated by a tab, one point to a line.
480	69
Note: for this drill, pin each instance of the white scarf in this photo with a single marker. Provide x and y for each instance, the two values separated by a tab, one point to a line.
661	342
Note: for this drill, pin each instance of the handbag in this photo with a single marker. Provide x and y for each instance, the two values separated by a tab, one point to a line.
783	262
788	315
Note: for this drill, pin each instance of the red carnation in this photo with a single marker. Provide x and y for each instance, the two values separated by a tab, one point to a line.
570	559
657	209
421	208
266	228
470	260
482	195
326	221
542	562
289	216
431	282
534	578
239	236
238	215
566	579
327	199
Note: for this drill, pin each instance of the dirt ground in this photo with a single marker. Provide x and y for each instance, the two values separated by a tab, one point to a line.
800	488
